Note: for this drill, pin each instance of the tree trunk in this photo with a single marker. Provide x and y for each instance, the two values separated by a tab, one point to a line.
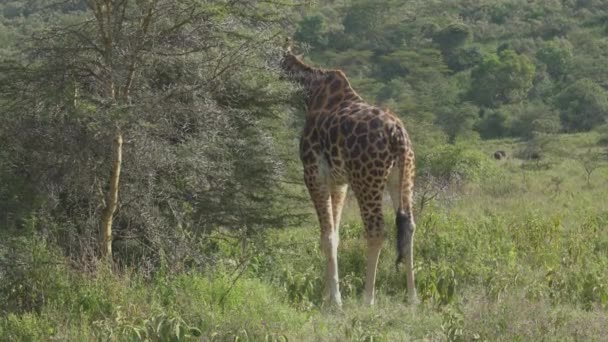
108	212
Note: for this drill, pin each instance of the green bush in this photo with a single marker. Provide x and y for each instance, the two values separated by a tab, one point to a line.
502	78
583	105
33	274
456	163
493	124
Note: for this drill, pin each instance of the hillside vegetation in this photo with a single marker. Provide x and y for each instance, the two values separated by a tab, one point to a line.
213	235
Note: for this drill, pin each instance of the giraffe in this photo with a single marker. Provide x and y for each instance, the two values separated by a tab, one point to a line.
349	142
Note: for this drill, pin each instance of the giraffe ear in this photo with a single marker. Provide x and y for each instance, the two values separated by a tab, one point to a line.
288	44
300	57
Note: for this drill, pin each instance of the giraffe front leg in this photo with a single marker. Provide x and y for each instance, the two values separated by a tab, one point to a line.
329	245
321	197
338	196
374	247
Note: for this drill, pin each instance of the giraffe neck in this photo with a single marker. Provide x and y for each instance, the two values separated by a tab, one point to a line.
305	75
330	91
324	89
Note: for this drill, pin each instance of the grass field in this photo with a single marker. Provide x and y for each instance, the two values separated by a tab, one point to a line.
520	254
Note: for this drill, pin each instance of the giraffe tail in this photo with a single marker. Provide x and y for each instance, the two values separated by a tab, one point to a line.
405	219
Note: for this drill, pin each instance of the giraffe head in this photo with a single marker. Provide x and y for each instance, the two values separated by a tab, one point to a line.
289	59
295	68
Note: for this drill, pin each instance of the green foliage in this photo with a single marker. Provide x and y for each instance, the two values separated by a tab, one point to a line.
492	124
458	121
557	56
26	327
458	161
312	30
583	105
413	64
32	272
533	118
452	36
202	119
463	58
502	78
364	19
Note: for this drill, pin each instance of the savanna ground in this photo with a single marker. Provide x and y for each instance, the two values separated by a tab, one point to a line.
518	252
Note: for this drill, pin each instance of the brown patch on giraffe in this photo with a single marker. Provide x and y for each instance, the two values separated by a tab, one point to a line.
362	141
308	157
333	134
334	101
360	128
375	123
318	103
335	85
355	152
334	151
327	158
346	126
350	96
350	141
304	145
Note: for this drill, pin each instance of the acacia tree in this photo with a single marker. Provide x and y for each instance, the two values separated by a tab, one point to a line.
590	161
184	86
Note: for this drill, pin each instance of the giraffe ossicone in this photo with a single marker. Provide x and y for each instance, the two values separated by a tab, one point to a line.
347	141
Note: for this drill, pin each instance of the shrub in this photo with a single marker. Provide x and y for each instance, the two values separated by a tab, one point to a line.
531	119
446	168
583	105
493	124
33	272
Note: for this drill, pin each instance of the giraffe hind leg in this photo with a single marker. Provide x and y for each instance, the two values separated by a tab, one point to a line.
370	205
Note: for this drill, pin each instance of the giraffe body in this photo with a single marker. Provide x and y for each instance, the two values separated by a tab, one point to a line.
349	142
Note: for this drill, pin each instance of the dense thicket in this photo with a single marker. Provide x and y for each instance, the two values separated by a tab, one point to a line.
188	86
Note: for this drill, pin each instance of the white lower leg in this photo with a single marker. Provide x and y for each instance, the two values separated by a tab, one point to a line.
330	247
373	253
409	271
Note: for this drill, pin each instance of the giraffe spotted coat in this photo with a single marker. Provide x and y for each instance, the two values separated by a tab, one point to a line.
347	141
